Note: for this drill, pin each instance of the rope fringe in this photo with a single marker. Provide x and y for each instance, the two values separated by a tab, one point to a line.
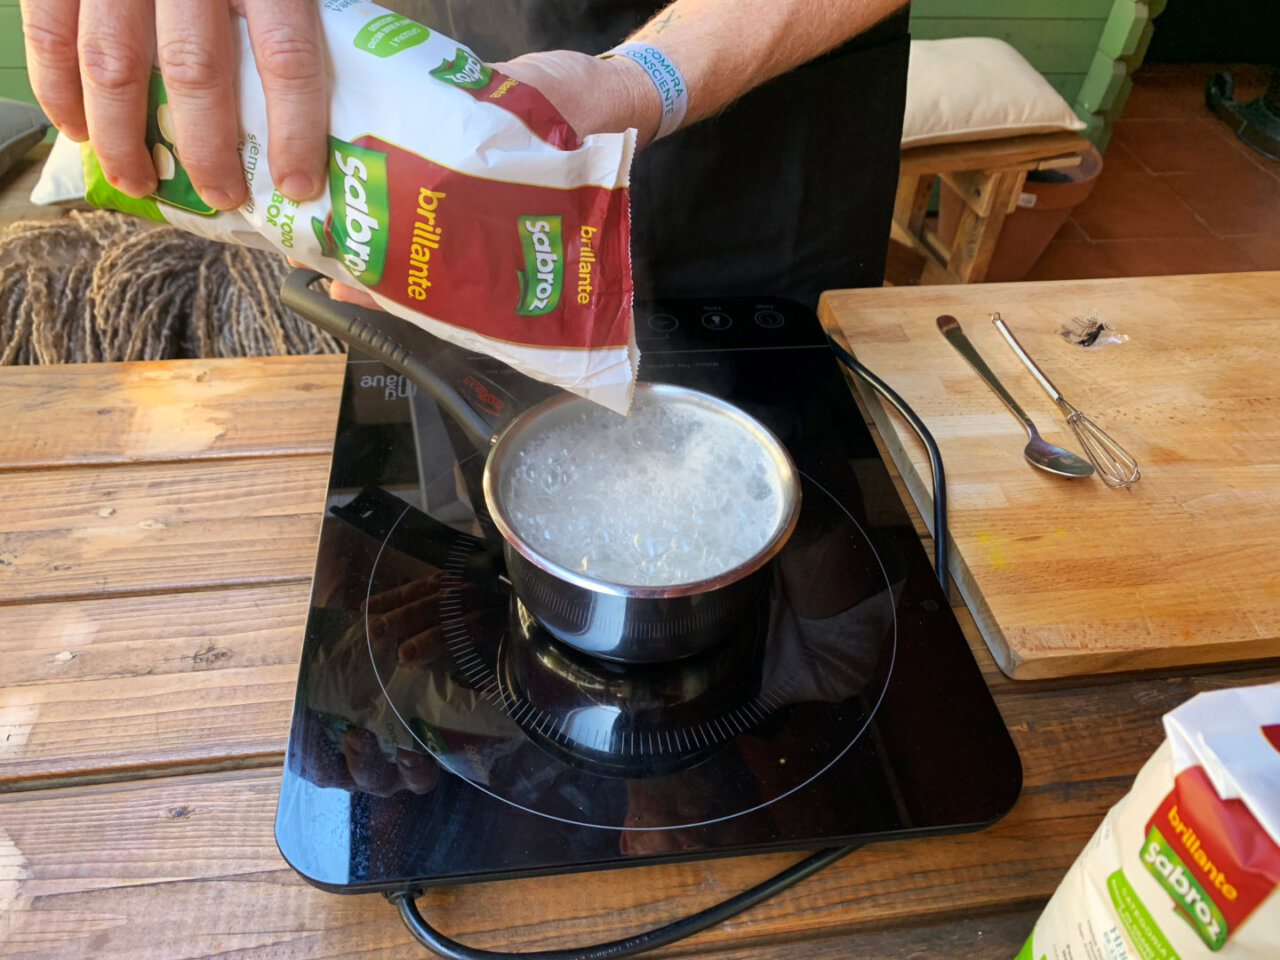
103	286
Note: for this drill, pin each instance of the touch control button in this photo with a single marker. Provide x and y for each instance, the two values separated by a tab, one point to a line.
663	322
770	319
715	320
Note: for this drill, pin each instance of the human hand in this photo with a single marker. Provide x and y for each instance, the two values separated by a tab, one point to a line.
372	772
410	617
90	63
595	95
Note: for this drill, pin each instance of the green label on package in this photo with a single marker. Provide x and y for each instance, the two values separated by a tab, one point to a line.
1194	904
464	70
389	33
357	223
543	272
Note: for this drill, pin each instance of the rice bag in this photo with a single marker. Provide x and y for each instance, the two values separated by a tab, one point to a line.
459	198
1187	865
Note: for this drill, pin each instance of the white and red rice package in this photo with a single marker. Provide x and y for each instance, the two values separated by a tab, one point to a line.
458	197
1187	865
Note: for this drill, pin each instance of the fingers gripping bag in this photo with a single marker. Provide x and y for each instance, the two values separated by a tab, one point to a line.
458	197
1187	865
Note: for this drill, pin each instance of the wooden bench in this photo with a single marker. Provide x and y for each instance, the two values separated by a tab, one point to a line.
988	175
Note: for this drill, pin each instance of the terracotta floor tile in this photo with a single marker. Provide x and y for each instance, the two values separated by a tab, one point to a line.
1170	91
1262	251
1261	160
1070	232
1234	204
1120	159
1180	146
1170	255
1152	99
1131	206
1072	261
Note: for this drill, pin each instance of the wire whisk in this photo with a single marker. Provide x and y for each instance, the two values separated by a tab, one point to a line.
1115	465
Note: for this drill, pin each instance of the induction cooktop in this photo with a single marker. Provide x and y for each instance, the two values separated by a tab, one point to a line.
441	735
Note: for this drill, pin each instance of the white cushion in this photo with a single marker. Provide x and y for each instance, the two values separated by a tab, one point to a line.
977	88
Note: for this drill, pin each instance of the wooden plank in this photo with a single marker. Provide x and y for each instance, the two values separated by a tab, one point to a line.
1102	83
102	688
1067	577
1134	60
973	187
1123	30
926	244
149	528
1113	112
1051	46
1000	154
976	235
1096	129
119	638
102	413
108	729
911	202
199	841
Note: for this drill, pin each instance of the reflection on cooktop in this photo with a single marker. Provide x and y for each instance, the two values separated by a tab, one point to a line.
492	697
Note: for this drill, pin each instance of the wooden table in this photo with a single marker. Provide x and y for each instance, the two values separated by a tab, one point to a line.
156	543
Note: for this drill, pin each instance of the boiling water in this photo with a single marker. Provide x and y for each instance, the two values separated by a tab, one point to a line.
671	494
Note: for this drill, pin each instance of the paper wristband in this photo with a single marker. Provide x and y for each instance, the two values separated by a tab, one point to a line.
665	76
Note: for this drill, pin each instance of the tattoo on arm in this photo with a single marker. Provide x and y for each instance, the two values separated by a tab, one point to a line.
665	22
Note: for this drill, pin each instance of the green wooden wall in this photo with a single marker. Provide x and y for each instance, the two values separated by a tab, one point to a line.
13	73
1086	49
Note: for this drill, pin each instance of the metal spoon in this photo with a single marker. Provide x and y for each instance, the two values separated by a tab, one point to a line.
1038	451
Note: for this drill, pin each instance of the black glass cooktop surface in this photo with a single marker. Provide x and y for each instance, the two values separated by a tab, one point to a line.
441	735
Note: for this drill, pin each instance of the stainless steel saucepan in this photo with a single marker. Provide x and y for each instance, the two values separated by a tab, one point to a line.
623	622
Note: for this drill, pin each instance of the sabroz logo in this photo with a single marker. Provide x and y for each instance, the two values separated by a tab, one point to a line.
546	261
543	273
1188	892
360	224
471	70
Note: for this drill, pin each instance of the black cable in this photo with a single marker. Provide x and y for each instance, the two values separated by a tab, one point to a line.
935	457
451	949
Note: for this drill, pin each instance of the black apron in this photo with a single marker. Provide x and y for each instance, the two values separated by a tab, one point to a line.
788	192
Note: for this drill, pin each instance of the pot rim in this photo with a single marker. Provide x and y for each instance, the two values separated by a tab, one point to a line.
788	480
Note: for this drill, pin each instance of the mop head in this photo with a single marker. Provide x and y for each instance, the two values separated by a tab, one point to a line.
102	286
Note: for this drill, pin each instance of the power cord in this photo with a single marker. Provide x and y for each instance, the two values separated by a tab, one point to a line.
451	949
931	447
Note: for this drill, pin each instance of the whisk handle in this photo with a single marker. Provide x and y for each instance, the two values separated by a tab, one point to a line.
1036	372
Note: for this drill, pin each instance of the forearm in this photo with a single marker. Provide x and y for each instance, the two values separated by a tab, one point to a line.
723	48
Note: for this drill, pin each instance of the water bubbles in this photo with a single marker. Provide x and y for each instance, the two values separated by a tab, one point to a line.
671	494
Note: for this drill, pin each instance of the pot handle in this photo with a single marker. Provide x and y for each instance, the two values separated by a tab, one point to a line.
360	327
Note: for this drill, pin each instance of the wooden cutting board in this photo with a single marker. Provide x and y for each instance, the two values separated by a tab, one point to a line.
1068	576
